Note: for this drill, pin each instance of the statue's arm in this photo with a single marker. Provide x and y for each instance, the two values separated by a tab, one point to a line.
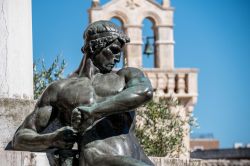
138	90
28	136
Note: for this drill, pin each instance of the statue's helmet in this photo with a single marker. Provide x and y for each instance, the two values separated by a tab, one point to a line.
100	34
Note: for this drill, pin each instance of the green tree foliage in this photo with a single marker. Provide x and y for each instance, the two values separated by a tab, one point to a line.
43	76
160	128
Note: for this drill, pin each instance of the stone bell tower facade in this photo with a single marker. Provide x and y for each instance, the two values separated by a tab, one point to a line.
166	80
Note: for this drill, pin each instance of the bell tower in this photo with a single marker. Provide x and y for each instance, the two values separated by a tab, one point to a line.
166	80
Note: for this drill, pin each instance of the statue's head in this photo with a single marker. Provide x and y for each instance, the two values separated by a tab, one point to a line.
103	44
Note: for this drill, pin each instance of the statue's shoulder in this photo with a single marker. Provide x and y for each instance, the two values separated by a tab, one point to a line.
130	72
49	95
56	86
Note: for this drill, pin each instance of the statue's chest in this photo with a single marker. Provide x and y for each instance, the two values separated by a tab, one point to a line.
77	91
108	84
83	91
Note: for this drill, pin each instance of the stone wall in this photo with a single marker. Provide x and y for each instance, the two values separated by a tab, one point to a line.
12	113
18	158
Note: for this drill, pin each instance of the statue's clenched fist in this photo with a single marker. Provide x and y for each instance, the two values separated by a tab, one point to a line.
81	119
64	138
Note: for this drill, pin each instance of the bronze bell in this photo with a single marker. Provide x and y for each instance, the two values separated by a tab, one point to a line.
149	48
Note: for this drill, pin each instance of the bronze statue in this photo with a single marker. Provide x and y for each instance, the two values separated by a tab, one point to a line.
94	106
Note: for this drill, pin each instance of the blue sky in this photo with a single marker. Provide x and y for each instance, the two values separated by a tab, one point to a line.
211	35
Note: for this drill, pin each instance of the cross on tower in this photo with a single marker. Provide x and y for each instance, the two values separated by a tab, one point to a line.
132	4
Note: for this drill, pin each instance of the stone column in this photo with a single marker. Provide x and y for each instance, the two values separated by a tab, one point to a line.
16	66
16	73
164	44
134	48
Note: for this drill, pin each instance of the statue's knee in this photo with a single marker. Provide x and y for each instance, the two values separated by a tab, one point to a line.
89	157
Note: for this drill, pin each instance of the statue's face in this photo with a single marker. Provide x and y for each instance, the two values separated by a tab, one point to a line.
108	57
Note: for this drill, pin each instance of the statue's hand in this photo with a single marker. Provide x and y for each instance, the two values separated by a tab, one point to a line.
64	138
81	118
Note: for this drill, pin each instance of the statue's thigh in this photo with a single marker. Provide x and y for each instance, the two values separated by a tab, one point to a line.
108	160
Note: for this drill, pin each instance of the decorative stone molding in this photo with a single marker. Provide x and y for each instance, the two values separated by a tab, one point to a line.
174	82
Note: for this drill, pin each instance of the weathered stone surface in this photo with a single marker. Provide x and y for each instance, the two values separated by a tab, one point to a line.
12	113
16	62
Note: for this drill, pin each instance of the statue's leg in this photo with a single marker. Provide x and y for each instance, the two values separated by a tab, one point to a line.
107	153
108	160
